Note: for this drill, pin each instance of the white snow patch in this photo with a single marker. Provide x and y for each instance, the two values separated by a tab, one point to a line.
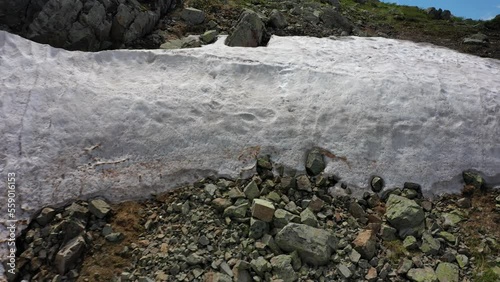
160	118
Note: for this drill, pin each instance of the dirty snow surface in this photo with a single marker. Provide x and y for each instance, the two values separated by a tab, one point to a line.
126	124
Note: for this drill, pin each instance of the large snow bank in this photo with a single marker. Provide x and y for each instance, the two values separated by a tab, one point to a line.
125	124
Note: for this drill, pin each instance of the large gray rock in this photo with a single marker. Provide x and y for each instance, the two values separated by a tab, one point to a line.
277	19
69	254
193	16
447	272
315	163
333	19
312	244
405	215
249	31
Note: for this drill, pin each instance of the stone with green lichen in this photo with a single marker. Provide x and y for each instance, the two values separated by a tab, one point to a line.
462	260
273	196
451	219
236	211
450	238
410	243
405	215
252	190
430	245
473	178
447	272
307	217
422	275
209	36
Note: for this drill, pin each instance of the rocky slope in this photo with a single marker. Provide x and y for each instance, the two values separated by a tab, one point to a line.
272	227
111	24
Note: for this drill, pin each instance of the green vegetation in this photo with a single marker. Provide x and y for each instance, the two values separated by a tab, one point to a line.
396	250
487	276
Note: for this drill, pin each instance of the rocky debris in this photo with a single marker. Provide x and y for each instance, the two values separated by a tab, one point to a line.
438	14
55	242
405	215
193	16
84	25
475	39
261	229
249	31
493	24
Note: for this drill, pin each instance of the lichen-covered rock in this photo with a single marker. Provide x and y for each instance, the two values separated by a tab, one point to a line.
312	244
405	215
422	275
447	272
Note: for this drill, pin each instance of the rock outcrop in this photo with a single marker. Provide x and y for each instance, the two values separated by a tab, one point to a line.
83	25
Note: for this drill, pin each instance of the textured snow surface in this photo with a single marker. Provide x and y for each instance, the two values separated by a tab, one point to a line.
125	124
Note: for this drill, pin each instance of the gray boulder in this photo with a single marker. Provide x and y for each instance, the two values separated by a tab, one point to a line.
333	19
447	272
312	244
209	36
405	215
315	163
249	31
277	19
69	254
193	16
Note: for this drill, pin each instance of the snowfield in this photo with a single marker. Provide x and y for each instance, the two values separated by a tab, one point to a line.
125	124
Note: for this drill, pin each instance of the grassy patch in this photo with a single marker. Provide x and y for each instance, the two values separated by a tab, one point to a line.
395	251
487	276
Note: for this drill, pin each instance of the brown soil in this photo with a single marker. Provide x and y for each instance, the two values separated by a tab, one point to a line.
103	262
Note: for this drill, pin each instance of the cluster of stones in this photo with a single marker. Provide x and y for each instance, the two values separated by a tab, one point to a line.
281	18
274	226
53	246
